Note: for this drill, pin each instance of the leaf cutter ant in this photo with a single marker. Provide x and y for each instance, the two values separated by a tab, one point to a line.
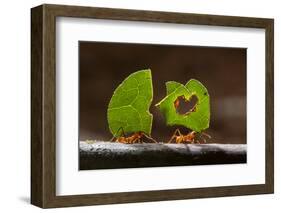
192	137
134	138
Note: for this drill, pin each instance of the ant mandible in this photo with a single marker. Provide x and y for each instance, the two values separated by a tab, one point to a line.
191	137
135	138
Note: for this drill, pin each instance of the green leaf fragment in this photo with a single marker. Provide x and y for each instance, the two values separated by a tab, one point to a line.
129	106
197	120
171	86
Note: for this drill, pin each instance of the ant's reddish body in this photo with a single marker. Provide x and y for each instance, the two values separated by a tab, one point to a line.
134	138
192	137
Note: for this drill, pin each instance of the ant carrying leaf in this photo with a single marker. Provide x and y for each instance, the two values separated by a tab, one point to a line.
192	137
134	138
129	107
189	106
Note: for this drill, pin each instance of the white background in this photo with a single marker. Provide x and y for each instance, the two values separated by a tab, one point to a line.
70	181
15	105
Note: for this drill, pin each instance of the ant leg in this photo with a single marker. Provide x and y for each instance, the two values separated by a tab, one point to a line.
150	138
177	131
201	137
207	135
132	139
172	138
174	135
191	133
136	140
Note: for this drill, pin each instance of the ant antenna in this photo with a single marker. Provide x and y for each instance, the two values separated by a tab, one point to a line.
207	135
123	134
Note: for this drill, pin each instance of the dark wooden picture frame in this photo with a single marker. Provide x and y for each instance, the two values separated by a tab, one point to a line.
43	105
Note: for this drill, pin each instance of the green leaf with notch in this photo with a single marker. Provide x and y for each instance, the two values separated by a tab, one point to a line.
129	106
198	118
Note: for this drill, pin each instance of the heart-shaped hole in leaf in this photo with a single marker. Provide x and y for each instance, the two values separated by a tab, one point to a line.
199	119
184	106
